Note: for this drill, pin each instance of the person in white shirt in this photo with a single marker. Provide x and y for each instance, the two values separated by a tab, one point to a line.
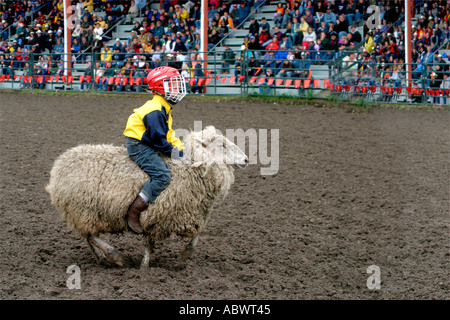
98	30
169	46
310	36
133	12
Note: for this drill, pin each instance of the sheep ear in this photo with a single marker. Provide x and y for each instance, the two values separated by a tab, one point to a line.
204	144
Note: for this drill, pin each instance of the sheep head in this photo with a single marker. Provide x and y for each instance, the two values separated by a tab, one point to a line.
209	146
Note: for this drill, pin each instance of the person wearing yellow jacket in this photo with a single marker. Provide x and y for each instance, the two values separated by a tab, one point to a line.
182	13
149	135
89	5
368	44
106	54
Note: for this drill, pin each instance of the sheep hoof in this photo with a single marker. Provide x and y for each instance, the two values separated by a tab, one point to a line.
116	257
111	254
144	266
186	253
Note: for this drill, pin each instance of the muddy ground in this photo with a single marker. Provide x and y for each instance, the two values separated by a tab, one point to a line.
352	190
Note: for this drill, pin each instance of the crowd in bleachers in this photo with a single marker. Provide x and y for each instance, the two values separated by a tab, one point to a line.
302	32
381	62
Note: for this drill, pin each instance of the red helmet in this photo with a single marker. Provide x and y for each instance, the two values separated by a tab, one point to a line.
168	83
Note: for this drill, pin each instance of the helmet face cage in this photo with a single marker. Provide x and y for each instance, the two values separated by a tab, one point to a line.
174	88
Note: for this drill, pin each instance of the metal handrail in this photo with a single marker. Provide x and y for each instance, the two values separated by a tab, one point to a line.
447	40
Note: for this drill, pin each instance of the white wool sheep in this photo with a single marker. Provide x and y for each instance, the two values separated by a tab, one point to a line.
94	185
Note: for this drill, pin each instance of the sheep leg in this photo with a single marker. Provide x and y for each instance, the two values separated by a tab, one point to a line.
186	253
148	250
111	254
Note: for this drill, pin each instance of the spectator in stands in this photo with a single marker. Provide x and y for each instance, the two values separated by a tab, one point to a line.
105	54
253	68
295	33
117	58
279	14
303	28
133	12
309	18
341	26
273	44
286	69
89	5
212	11
416	97
228	57
98	30
228	20
223	29
330	16
368	43
264	24
181	12
169	45
125	73
445	67
198	74
87	73
58	50
253	28
254	47
40	42
445	85
97	45
429	56
179	45
213	39
75	47
264	37
269	60
109	72
309	38
195	16
356	36
116	12
332	47
319	18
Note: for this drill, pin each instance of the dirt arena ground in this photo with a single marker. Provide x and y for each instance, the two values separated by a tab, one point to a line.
352	190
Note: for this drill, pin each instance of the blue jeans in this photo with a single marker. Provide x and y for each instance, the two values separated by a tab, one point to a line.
149	160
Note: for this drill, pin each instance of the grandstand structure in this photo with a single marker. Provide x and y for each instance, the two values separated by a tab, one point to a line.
324	75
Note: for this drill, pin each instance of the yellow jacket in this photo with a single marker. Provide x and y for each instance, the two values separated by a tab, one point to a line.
152	125
304	27
106	55
184	15
89	5
369	45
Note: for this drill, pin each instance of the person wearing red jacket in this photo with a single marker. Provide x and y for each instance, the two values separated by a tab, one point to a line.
264	36
274	45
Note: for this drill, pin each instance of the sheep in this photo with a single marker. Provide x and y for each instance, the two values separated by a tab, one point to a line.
93	186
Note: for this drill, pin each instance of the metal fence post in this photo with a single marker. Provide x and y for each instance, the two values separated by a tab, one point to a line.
31	71
93	71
